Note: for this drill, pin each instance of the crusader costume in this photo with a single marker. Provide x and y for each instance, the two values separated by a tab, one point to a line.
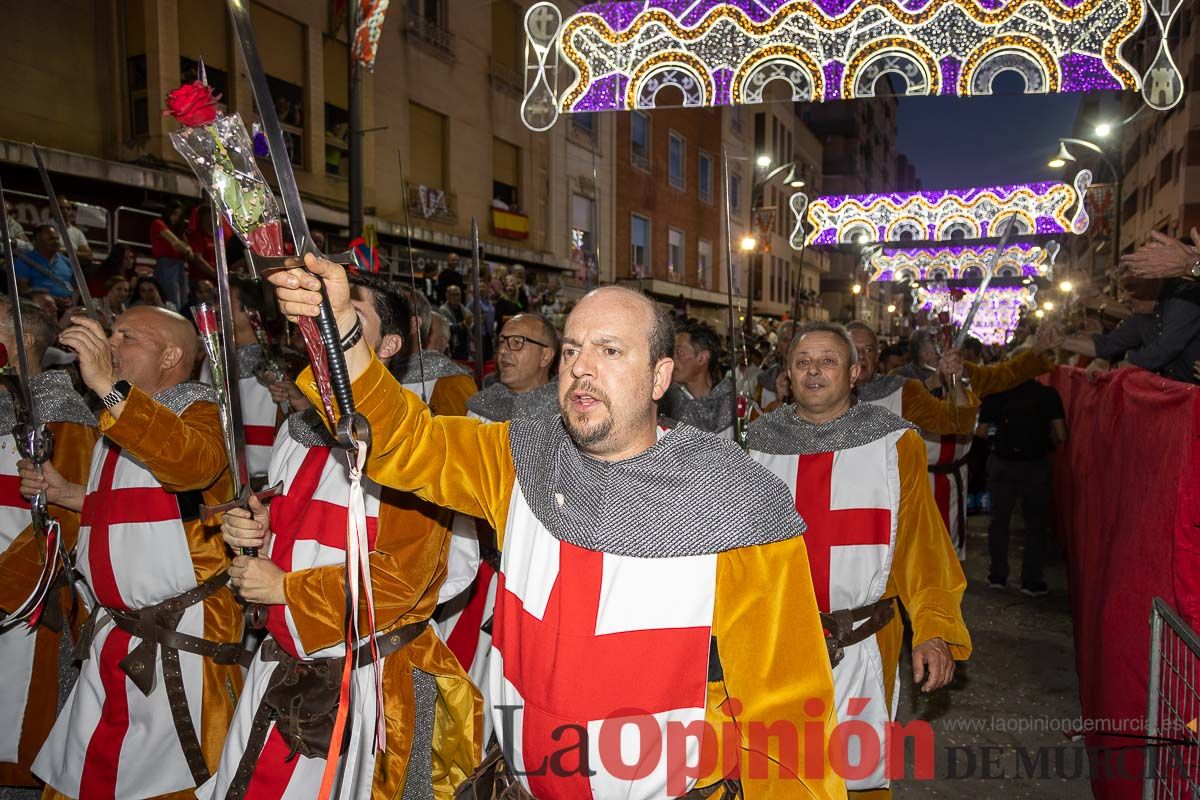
712	413
874	538
431	709
466	621
160	675
30	659
632	584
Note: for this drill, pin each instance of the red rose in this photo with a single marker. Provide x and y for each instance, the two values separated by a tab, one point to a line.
957	294
193	104
267	240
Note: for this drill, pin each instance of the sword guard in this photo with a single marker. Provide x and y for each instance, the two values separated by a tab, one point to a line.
35	443
209	513
265	265
353	431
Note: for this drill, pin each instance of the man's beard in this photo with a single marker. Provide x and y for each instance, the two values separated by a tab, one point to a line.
589	436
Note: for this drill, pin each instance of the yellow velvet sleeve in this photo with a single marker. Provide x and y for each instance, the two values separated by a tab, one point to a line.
926	573
184	452
934	415
777	680
995	378
455	462
21	562
450	395
408	566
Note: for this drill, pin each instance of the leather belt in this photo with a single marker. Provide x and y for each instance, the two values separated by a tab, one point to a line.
840	630
291	686
155	627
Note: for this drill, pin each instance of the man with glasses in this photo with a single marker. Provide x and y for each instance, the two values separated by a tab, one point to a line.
527	354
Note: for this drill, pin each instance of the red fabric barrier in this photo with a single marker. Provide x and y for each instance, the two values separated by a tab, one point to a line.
1127	496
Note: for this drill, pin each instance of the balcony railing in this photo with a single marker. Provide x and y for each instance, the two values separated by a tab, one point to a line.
506	78
432	34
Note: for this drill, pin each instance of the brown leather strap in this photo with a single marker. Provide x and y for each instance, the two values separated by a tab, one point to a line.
386	644
841	632
259	729
155	626
946	469
181	715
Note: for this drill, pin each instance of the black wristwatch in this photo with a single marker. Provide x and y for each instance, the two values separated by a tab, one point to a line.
118	394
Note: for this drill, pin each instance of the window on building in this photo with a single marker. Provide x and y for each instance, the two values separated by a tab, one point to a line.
506	52
337	104
736	118
704	264
639	252
432	12
203	32
426	164
676	155
506	174
136	78
584	121
639	139
583	220
1166	169
735	191
704	177
282	43
675	251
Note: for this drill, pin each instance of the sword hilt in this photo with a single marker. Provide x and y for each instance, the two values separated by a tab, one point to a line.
209	514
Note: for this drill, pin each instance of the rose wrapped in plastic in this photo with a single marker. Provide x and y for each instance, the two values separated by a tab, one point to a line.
193	104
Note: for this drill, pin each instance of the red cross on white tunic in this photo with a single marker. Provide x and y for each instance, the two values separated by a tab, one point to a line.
828	528
568	674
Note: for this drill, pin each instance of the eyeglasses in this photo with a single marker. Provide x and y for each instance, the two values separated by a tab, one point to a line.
516	343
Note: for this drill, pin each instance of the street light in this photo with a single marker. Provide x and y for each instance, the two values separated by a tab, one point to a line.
763	161
1048	305
856	288
749	243
891	308
1061	157
1039	313
1065	287
1103	129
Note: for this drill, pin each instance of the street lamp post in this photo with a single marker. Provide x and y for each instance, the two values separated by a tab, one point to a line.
764	174
1064	155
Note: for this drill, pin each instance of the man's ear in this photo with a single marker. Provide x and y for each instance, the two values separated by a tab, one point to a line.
171	356
663	371
855	372
390	345
547	356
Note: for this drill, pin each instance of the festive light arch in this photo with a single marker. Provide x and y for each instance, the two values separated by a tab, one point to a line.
998	315
1018	260
825	49
1039	208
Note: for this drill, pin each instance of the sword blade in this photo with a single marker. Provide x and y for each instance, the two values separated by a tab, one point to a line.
80	281
977	301
236	436
239	11
18	320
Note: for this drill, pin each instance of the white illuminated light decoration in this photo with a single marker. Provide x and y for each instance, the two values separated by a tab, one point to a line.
998	315
949	214
618	55
955	262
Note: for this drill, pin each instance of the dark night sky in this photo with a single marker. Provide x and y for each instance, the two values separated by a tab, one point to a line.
982	141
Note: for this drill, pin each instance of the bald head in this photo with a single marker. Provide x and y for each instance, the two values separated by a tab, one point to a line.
153	348
658	325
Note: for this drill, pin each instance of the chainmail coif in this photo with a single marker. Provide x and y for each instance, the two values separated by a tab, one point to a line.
498	403
689	494
783	433
880	387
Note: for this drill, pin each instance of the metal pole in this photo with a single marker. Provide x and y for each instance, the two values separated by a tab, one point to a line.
355	155
729	278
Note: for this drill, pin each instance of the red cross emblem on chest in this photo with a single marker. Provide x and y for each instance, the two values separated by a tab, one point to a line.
104	507
828	528
568	674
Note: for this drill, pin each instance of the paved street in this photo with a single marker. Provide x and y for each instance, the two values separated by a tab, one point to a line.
1018	691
